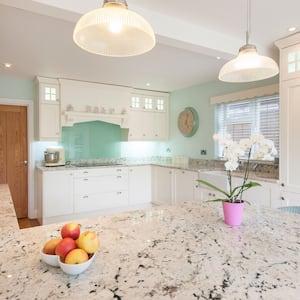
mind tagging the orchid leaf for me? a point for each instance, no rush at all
(213, 187)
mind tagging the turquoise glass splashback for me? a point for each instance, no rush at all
(91, 140)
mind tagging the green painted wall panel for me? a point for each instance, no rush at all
(91, 140)
(16, 88)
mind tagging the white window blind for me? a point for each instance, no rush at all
(243, 118)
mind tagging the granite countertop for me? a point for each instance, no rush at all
(180, 252)
(189, 167)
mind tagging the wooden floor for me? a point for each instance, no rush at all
(26, 223)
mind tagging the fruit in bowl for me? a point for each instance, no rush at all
(65, 246)
(48, 252)
(88, 241)
(73, 252)
(49, 247)
(76, 268)
(71, 230)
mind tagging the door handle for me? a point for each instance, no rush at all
(25, 162)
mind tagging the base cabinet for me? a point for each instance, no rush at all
(140, 191)
(162, 185)
(185, 185)
(55, 195)
(100, 189)
(172, 185)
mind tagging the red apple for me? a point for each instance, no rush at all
(49, 247)
(71, 230)
(65, 246)
(88, 241)
(76, 256)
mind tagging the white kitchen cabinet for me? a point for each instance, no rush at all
(171, 185)
(55, 195)
(289, 175)
(100, 189)
(289, 199)
(265, 195)
(148, 116)
(48, 109)
(258, 195)
(140, 191)
(162, 185)
(185, 185)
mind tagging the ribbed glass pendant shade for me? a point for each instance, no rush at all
(248, 66)
(115, 31)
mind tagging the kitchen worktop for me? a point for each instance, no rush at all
(218, 170)
(177, 252)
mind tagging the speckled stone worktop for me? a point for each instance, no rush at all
(177, 252)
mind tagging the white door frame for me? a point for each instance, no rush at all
(32, 212)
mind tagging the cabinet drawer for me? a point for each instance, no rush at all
(100, 172)
(93, 185)
(100, 201)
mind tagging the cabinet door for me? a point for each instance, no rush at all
(162, 179)
(258, 195)
(139, 185)
(290, 135)
(57, 194)
(49, 122)
(289, 199)
(185, 185)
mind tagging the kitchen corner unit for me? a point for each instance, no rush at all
(289, 112)
(48, 109)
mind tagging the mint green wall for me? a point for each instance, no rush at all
(16, 88)
(199, 97)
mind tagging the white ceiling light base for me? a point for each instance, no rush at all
(248, 66)
(115, 31)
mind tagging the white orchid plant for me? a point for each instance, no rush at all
(256, 147)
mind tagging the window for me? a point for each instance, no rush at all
(243, 118)
(148, 103)
(50, 94)
(160, 104)
(294, 62)
(135, 102)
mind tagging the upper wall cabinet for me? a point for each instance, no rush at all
(289, 113)
(87, 101)
(48, 109)
(289, 57)
(148, 116)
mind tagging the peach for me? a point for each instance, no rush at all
(76, 256)
(88, 241)
(49, 247)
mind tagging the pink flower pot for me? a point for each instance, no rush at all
(233, 213)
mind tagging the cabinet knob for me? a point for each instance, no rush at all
(282, 184)
(282, 198)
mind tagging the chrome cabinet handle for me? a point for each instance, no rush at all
(25, 162)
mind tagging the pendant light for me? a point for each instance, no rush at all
(248, 65)
(113, 30)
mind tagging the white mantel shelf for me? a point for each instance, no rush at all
(69, 118)
(182, 251)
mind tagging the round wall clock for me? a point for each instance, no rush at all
(188, 121)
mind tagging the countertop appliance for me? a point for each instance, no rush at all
(54, 156)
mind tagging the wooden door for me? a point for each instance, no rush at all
(13, 155)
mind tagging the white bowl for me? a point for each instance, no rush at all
(50, 259)
(74, 269)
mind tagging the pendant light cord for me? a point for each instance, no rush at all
(248, 21)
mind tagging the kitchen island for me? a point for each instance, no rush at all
(179, 252)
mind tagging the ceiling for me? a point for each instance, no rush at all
(36, 37)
